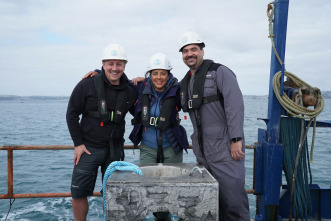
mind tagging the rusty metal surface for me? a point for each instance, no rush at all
(10, 193)
(48, 147)
(250, 191)
(39, 195)
(69, 147)
(41, 147)
(10, 171)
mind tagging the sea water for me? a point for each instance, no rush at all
(42, 122)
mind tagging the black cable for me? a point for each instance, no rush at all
(10, 204)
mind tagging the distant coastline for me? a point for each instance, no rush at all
(15, 97)
(325, 94)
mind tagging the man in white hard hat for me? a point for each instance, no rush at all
(161, 141)
(211, 95)
(103, 102)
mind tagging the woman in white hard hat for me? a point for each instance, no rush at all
(156, 126)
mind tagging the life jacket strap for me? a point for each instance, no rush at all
(160, 156)
(135, 120)
(190, 102)
(212, 98)
(105, 117)
(111, 150)
(153, 121)
(208, 99)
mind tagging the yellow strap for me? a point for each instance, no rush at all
(155, 122)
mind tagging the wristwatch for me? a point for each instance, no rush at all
(235, 140)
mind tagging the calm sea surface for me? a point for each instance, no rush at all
(42, 122)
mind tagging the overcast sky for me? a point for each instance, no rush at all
(46, 46)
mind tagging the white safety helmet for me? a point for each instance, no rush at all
(189, 38)
(159, 61)
(114, 52)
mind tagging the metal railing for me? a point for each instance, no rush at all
(10, 192)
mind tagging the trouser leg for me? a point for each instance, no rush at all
(171, 157)
(147, 154)
(233, 200)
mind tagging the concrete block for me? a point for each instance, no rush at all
(174, 188)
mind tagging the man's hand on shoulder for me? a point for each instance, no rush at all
(90, 74)
(136, 80)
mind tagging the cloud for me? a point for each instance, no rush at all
(47, 46)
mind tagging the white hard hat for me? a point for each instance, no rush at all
(159, 61)
(189, 38)
(114, 52)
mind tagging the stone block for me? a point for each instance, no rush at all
(185, 190)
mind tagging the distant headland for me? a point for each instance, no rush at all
(15, 97)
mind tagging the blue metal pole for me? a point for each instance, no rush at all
(270, 150)
(279, 30)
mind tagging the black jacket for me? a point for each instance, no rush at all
(88, 131)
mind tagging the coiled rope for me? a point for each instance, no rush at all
(288, 104)
(302, 112)
(297, 110)
(116, 165)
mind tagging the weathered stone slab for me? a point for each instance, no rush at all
(163, 187)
